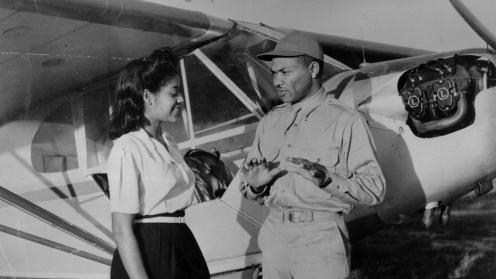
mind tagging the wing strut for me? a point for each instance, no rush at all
(54, 220)
(54, 245)
(476, 25)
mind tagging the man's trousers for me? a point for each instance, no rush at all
(301, 244)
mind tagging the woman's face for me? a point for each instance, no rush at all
(166, 103)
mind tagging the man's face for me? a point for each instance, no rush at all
(291, 78)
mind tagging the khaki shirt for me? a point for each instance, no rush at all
(323, 130)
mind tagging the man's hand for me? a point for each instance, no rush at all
(259, 173)
(314, 172)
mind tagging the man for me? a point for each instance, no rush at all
(312, 160)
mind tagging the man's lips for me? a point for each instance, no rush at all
(177, 108)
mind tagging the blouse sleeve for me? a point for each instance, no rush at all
(123, 177)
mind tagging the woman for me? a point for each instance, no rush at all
(150, 184)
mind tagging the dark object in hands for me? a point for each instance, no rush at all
(317, 170)
(212, 176)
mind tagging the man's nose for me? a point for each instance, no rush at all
(180, 99)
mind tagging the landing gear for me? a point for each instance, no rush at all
(257, 274)
(445, 214)
(430, 210)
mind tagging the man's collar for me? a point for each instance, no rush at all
(313, 101)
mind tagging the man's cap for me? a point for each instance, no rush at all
(293, 45)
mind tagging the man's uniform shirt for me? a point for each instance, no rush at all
(323, 130)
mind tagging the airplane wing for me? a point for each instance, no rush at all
(52, 47)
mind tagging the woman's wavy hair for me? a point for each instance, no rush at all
(150, 73)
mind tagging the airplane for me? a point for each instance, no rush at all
(430, 114)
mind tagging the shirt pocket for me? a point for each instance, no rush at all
(270, 147)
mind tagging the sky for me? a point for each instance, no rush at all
(425, 24)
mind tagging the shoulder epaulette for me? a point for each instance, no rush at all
(281, 106)
(333, 101)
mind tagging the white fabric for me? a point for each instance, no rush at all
(146, 178)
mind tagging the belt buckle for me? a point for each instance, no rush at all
(178, 219)
(298, 216)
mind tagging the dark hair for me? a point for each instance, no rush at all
(150, 73)
(307, 59)
(212, 177)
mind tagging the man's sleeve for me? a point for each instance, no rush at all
(254, 152)
(362, 181)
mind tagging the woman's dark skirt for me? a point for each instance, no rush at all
(169, 250)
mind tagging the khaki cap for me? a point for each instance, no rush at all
(293, 45)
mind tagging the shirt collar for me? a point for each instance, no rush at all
(309, 104)
(141, 133)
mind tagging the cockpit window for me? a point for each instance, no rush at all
(236, 57)
(213, 106)
(54, 145)
(227, 90)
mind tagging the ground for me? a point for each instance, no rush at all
(465, 249)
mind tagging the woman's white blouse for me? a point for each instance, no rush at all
(145, 178)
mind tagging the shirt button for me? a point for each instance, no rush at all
(296, 125)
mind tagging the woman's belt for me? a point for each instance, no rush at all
(166, 217)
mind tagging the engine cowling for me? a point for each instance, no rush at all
(438, 95)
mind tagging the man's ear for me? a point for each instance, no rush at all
(314, 69)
